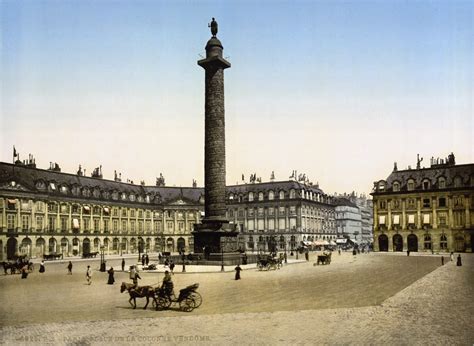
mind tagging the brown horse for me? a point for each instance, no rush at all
(138, 292)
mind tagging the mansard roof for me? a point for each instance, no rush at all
(28, 177)
(274, 186)
(432, 174)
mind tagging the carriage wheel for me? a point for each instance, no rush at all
(187, 304)
(162, 303)
(259, 266)
(197, 299)
(267, 267)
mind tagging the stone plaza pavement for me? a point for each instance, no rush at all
(435, 309)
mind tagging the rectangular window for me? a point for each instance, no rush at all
(271, 211)
(64, 224)
(241, 213)
(115, 225)
(281, 224)
(170, 226)
(11, 221)
(86, 224)
(75, 209)
(64, 209)
(124, 226)
(39, 223)
(157, 226)
(426, 202)
(25, 222)
(250, 225)
(132, 213)
(281, 211)
(124, 212)
(293, 210)
(140, 226)
(140, 214)
(148, 226)
(106, 226)
(250, 212)
(442, 202)
(39, 206)
(51, 208)
(96, 225)
(115, 212)
(442, 220)
(51, 224)
(181, 226)
(132, 226)
(271, 224)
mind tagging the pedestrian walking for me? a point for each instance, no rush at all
(143, 260)
(442, 260)
(147, 259)
(159, 257)
(306, 255)
(459, 263)
(172, 266)
(89, 275)
(408, 252)
(111, 276)
(123, 264)
(42, 268)
(69, 268)
(451, 256)
(237, 272)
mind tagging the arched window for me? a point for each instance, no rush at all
(410, 185)
(396, 186)
(441, 183)
(282, 194)
(260, 196)
(457, 181)
(292, 193)
(271, 195)
(381, 186)
(426, 184)
(250, 196)
(443, 242)
(231, 196)
(427, 242)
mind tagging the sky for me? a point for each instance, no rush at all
(338, 90)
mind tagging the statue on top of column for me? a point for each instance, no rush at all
(213, 26)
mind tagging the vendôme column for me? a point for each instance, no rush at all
(215, 226)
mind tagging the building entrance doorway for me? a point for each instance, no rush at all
(412, 242)
(383, 242)
(397, 243)
(459, 244)
(11, 248)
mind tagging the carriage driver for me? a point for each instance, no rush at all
(167, 285)
(134, 276)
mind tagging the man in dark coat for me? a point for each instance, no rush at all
(111, 276)
(237, 272)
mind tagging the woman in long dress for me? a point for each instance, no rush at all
(41, 270)
(111, 276)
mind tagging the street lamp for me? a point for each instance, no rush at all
(102, 259)
(222, 259)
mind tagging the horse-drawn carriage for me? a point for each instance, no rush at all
(325, 258)
(90, 254)
(52, 256)
(188, 298)
(163, 297)
(268, 262)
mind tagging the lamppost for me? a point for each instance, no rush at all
(222, 259)
(102, 259)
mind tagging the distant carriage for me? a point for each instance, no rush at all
(52, 256)
(325, 258)
(90, 254)
(268, 263)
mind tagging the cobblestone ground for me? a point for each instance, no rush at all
(371, 299)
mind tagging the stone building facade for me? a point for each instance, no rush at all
(425, 209)
(46, 211)
(278, 216)
(348, 220)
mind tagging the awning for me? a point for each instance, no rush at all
(341, 241)
(426, 218)
(332, 242)
(411, 219)
(396, 219)
(306, 243)
(75, 223)
(382, 219)
(87, 208)
(12, 201)
(354, 241)
(106, 210)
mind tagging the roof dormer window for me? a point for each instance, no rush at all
(396, 186)
(52, 186)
